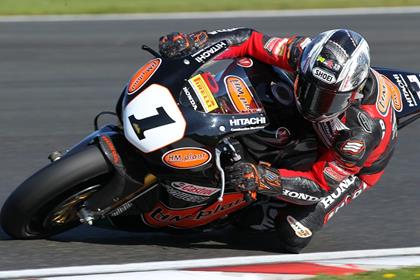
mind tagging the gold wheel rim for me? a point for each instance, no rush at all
(65, 211)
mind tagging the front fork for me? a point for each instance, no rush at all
(121, 189)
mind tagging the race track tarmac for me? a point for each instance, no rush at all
(55, 77)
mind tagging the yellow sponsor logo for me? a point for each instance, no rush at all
(204, 93)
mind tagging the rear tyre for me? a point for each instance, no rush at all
(47, 202)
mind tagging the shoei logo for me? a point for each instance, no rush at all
(143, 75)
(323, 75)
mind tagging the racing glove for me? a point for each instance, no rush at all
(247, 177)
(179, 44)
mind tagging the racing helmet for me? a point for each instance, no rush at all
(333, 68)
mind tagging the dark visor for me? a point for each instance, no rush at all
(318, 103)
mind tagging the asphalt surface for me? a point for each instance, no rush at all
(55, 77)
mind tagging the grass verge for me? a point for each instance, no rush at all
(411, 273)
(38, 7)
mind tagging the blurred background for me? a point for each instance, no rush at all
(56, 75)
(15, 7)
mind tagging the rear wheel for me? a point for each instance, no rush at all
(48, 201)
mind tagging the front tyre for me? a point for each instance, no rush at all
(47, 202)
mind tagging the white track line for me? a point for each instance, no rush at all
(217, 15)
(168, 265)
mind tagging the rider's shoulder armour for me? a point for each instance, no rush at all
(353, 146)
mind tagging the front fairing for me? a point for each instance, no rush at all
(176, 103)
(177, 112)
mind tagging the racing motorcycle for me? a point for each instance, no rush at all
(180, 123)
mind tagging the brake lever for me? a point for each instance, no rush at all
(222, 175)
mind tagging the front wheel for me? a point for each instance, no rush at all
(47, 202)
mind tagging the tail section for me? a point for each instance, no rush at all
(408, 103)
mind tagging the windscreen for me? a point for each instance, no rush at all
(221, 87)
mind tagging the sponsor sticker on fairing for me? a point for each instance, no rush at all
(248, 121)
(194, 189)
(185, 196)
(396, 100)
(203, 93)
(143, 75)
(409, 98)
(185, 158)
(190, 98)
(388, 95)
(203, 56)
(240, 95)
(415, 84)
(323, 75)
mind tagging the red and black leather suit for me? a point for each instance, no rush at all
(353, 151)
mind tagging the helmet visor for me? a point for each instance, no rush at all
(318, 103)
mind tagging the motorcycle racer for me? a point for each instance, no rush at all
(348, 104)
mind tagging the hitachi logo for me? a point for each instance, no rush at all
(249, 121)
(344, 185)
(202, 56)
(403, 87)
